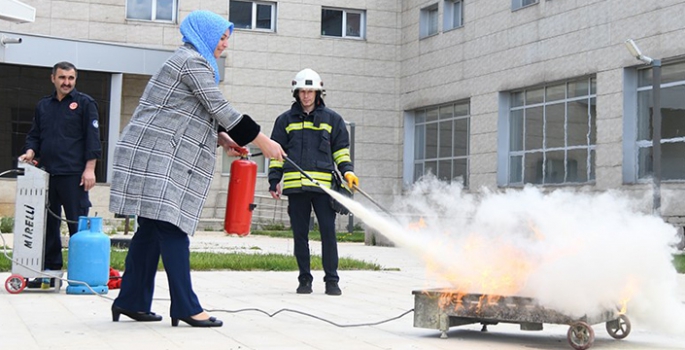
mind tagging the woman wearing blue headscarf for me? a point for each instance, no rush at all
(164, 162)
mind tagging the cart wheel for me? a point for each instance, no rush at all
(15, 284)
(580, 335)
(619, 328)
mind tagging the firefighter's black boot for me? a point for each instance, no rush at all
(333, 289)
(305, 287)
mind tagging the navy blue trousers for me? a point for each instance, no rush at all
(152, 239)
(300, 210)
(64, 192)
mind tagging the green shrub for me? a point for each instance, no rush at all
(276, 226)
(7, 224)
(122, 225)
(679, 262)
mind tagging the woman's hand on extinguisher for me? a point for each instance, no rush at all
(270, 148)
(231, 148)
(232, 152)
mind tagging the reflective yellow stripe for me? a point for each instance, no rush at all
(290, 176)
(342, 155)
(294, 179)
(308, 125)
(304, 182)
(319, 176)
(316, 175)
(274, 163)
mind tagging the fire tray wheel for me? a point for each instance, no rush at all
(15, 284)
(619, 328)
(580, 335)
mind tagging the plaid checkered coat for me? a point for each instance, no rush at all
(164, 160)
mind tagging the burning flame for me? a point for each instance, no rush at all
(627, 294)
(496, 269)
(503, 273)
(415, 226)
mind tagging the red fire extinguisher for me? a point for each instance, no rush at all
(239, 202)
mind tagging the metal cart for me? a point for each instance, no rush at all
(441, 309)
(30, 216)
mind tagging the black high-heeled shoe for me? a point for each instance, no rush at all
(210, 322)
(138, 316)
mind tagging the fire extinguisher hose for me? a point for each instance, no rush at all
(355, 186)
(372, 200)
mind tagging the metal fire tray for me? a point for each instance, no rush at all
(443, 308)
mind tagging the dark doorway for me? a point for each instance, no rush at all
(20, 89)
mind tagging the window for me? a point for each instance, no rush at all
(441, 142)
(152, 10)
(672, 123)
(454, 14)
(552, 134)
(517, 4)
(342, 23)
(428, 21)
(253, 15)
(262, 165)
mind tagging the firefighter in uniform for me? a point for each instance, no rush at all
(316, 139)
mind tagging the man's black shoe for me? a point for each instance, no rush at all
(37, 283)
(304, 287)
(333, 289)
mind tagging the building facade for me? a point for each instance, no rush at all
(497, 93)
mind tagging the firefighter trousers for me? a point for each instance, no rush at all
(299, 209)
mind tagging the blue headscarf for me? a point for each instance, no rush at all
(204, 29)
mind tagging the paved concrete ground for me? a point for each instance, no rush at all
(48, 320)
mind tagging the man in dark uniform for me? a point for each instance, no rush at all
(66, 140)
(316, 139)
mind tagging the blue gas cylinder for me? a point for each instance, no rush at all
(88, 258)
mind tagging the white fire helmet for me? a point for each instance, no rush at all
(307, 79)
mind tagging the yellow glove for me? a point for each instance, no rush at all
(352, 180)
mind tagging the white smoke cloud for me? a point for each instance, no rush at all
(577, 253)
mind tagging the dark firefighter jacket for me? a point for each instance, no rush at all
(318, 142)
(65, 134)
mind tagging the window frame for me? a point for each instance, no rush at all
(415, 125)
(225, 168)
(633, 171)
(449, 7)
(253, 15)
(520, 4)
(505, 153)
(427, 13)
(345, 12)
(153, 13)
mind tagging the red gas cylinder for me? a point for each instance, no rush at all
(239, 202)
